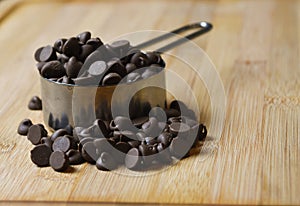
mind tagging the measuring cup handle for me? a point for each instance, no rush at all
(202, 27)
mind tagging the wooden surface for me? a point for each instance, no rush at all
(255, 47)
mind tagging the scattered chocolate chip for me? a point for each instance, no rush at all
(75, 157)
(47, 141)
(35, 134)
(35, 103)
(133, 159)
(24, 126)
(40, 155)
(58, 133)
(106, 162)
(89, 153)
(59, 161)
(63, 144)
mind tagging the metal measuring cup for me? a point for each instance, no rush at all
(66, 104)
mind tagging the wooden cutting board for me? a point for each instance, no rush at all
(255, 47)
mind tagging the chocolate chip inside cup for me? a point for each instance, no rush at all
(63, 62)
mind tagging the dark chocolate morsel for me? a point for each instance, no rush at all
(133, 159)
(47, 141)
(86, 50)
(37, 54)
(111, 79)
(35, 103)
(75, 157)
(53, 69)
(84, 36)
(72, 47)
(58, 133)
(47, 54)
(59, 161)
(24, 126)
(106, 162)
(97, 68)
(73, 67)
(35, 134)
(130, 67)
(40, 155)
(58, 45)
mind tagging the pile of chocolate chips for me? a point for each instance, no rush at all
(111, 144)
(83, 60)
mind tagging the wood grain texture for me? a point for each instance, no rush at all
(255, 47)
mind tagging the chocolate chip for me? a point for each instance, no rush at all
(24, 126)
(58, 133)
(69, 129)
(102, 129)
(111, 79)
(153, 57)
(35, 103)
(86, 50)
(150, 140)
(122, 123)
(164, 155)
(84, 36)
(179, 105)
(151, 128)
(63, 58)
(73, 67)
(179, 128)
(202, 132)
(40, 155)
(134, 143)
(165, 138)
(85, 140)
(139, 121)
(95, 42)
(130, 67)
(53, 69)
(148, 73)
(106, 162)
(63, 144)
(59, 161)
(37, 54)
(104, 145)
(47, 141)
(40, 65)
(123, 148)
(75, 157)
(97, 68)
(47, 54)
(189, 121)
(139, 59)
(133, 77)
(35, 134)
(133, 159)
(115, 66)
(172, 113)
(72, 47)
(147, 152)
(179, 147)
(89, 153)
(58, 45)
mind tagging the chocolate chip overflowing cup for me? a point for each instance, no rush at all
(79, 76)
